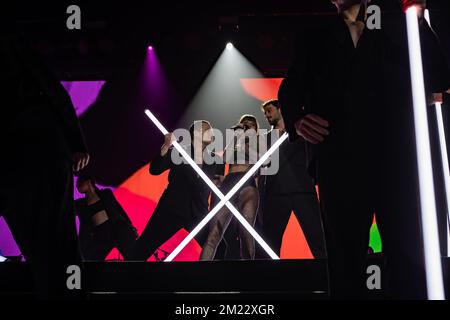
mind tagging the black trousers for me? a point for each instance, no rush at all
(276, 212)
(36, 200)
(349, 197)
(110, 234)
(163, 224)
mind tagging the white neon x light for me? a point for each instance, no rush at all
(224, 200)
(433, 266)
(444, 155)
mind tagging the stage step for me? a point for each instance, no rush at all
(180, 281)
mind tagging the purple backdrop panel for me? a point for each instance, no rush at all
(83, 93)
(8, 246)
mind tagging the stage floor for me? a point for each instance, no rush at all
(217, 280)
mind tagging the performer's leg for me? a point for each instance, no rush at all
(217, 228)
(347, 218)
(40, 211)
(223, 248)
(107, 236)
(248, 206)
(259, 222)
(277, 210)
(100, 243)
(232, 242)
(163, 224)
(124, 238)
(306, 209)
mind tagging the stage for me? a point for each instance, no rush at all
(284, 280)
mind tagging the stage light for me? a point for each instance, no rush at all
(444, 155)
(221, 98)
(150, 48)
(224, 200)
(433, 264)
(2, 259)
(229, 46)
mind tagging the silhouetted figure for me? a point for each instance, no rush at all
(41, 144)
(104, 224)
(349, 94)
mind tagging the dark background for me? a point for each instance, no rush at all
(188, 36)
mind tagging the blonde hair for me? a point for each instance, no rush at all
(251, 118)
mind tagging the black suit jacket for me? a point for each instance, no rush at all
(365, 94)
(187, 194)
(26, 83)
(292, 175)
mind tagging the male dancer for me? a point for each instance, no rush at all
(290, 189)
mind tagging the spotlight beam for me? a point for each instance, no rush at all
(433, 266)
(224, 200)
(444, 155)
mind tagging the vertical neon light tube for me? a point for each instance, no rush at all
(444, 155)
(433, 265)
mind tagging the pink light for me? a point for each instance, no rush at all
(150, 48)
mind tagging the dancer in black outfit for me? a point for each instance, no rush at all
(104, 224)
(184, 202)
(349, 93)
(41, 144)
(290, 189)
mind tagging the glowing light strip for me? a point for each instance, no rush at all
(444, 155)
(433, 266)
(224, 200)
(427, 16)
